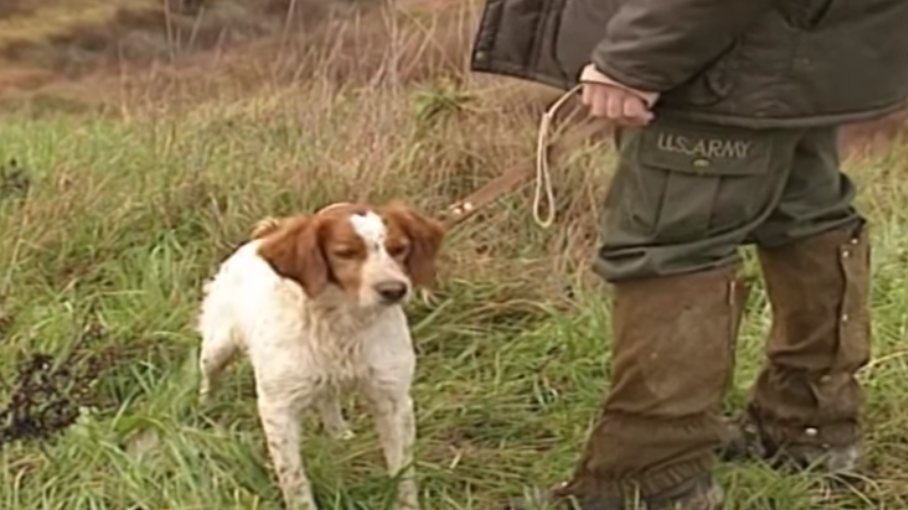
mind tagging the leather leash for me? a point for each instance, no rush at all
(516, 176)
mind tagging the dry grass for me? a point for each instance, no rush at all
(43, 41)
(121, 209)
(41, 22)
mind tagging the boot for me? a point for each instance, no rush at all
(698, 493)
(805, 408)
(673, 358)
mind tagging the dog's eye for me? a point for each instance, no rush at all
(345, 253)
(398, 250)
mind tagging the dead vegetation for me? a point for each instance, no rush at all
(53, 40)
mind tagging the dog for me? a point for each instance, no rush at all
(316, 304)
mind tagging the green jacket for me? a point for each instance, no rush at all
(751, 63)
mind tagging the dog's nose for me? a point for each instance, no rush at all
(392, 290)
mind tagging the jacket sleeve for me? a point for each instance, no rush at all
(655, 45)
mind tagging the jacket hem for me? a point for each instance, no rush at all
(806, 121)
(702, 114)
(510, 70)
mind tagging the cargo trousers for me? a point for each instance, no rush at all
(685, 196)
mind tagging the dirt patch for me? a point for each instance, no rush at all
(46, 394)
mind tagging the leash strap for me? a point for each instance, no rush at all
(515, 176)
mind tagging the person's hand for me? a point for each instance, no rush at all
(618, 103)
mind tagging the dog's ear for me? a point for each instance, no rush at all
(294, 251)
(426, 236)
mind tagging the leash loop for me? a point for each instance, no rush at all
(543, 172)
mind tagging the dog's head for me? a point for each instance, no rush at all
(375, 255)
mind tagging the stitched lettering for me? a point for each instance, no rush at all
(704, 148)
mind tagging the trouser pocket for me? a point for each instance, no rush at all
(680, 181)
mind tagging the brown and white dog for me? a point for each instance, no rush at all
(315, 301)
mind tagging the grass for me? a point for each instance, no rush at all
(123, 213)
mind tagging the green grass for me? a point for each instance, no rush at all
(104, 258)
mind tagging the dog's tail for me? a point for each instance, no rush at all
(265, 226)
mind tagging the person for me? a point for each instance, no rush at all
(726, 115)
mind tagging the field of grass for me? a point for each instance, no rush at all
(112, 219)
(42, 41)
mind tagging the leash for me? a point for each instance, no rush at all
(514, 177)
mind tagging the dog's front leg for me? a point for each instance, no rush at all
(332, 416)
(281, 423)
(396, 426)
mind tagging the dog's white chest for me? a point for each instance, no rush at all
(337, 367)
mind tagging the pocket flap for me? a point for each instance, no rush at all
(710, 150)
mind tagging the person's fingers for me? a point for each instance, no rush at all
(633, 108)
(598, 102)
(636, 112)
(614, 104)
(586, 94)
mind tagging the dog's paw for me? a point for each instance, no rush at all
(204, 395)
(344, 435)
(339, 430)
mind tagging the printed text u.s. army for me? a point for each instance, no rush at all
(703, 147)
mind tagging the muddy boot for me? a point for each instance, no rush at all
(805, 409)
(698, 493)
(559, 497)
(673, 357)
